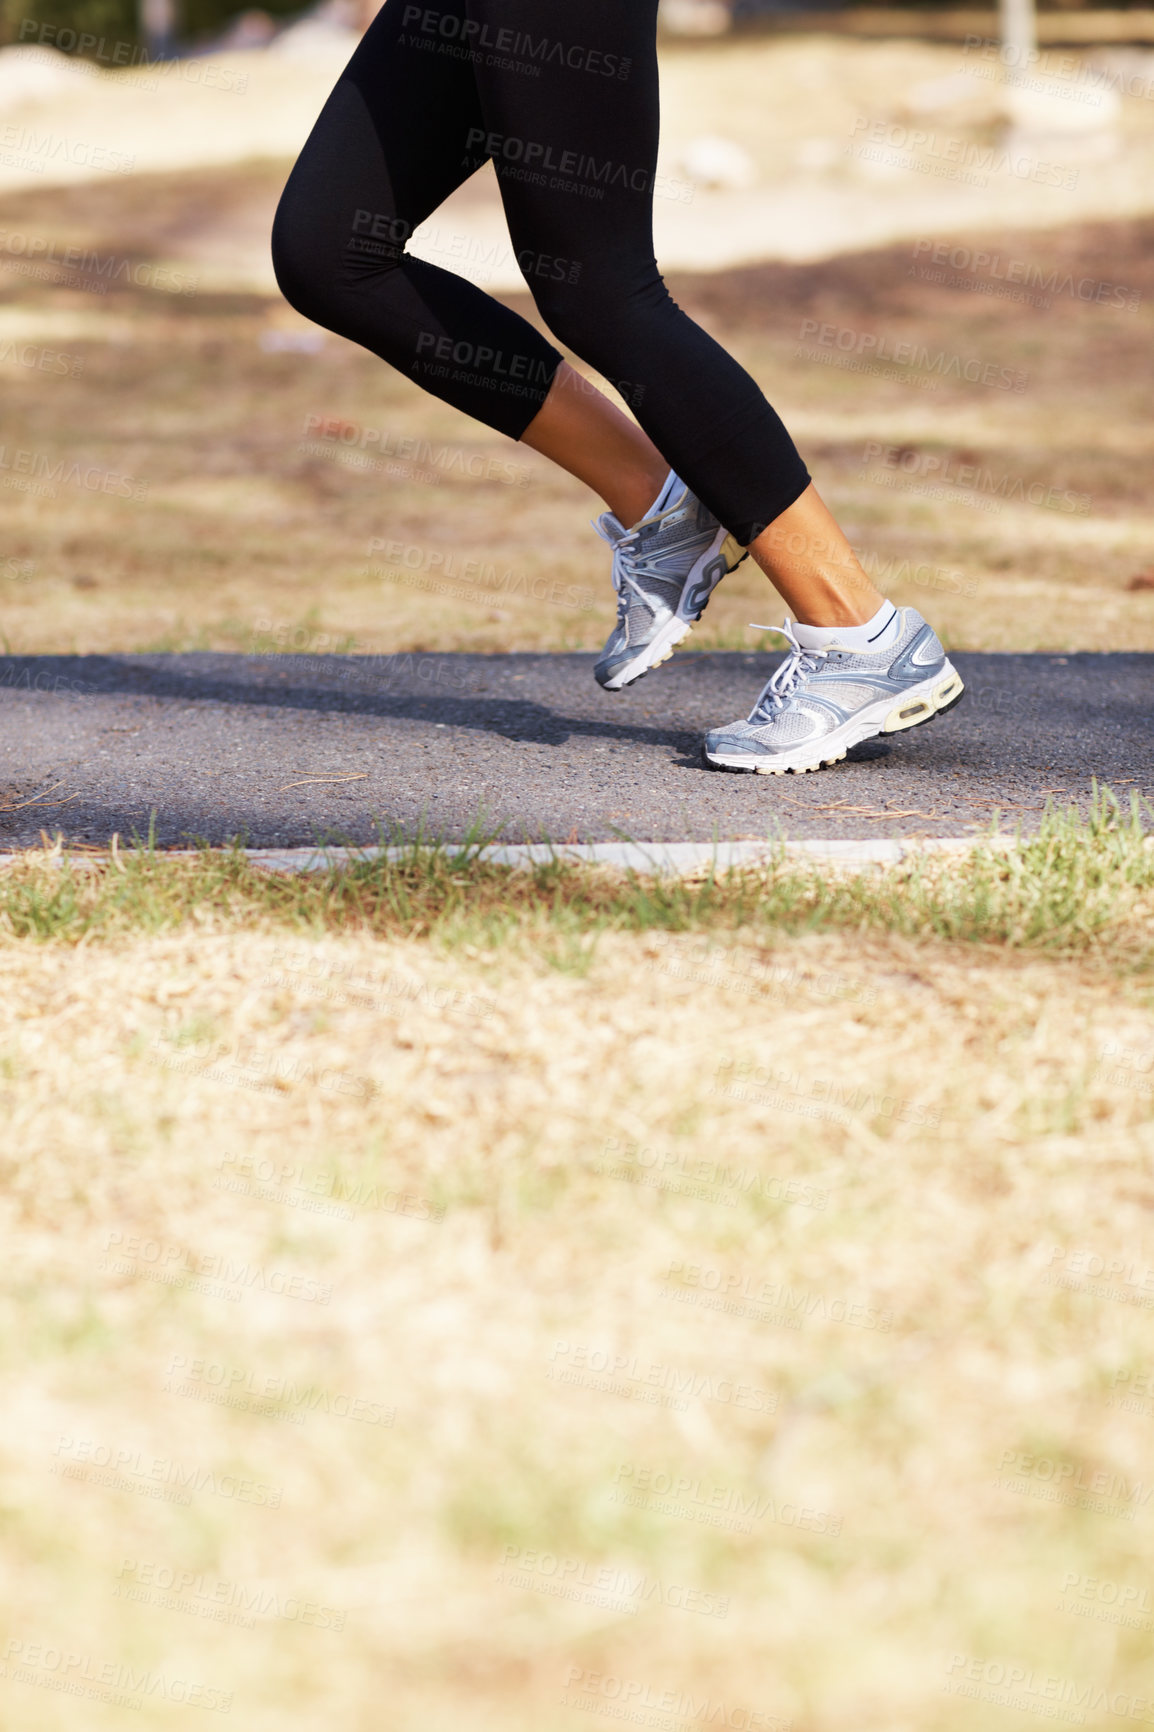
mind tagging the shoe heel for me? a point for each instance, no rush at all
(909, 714)
(949, 693)
(924, 705)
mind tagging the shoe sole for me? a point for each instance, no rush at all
(663, 642)
(920, 704)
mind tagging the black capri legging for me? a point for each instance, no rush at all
(563, 98)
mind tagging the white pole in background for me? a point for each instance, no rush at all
(1019, 32)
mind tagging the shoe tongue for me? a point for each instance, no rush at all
(610, 527)
(815, 637)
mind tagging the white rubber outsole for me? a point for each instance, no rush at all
(663, 643)
(920, 704)
(659, 649)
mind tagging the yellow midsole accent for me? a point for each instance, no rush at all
(916, 712)
(733, 553)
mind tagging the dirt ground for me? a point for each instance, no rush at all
(181, 473)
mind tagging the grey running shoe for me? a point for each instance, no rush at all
(664, 571)
(821, 702)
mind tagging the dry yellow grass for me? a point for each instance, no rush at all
(695, 1328)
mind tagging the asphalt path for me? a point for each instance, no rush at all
(285, 751)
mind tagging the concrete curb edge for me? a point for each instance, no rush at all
(679, 859)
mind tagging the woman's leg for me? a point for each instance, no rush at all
(390, 145)
(578, 428)
(572, 132)
(803, 552)
(570, 122)
(399, 133)
(806, 557)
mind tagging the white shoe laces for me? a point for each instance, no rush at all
(797, 665)
(625, 566)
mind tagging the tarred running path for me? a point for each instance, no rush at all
(287, 750)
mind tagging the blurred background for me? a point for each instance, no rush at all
(927, 231)
(163, 28)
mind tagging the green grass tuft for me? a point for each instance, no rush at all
(1073, 884)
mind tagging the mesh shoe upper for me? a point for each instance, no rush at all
(647, 590)
(651, 565)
